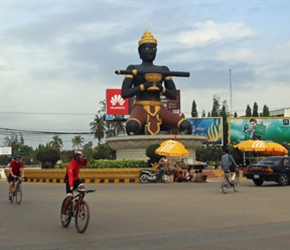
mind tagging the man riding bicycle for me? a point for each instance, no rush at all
(229, 164)
(16, 169)
(72, 180)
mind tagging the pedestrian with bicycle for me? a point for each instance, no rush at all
(72, 181)
(16, 170)
(229, 164)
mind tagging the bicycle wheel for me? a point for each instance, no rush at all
(225, 186)
(18, 193)
(82, 217)
(237, 184)
(68, 214)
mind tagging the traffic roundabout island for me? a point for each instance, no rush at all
(134, 146)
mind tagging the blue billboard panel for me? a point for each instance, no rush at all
(210, 127)
(276, 129)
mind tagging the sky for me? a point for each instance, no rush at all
(57, 58)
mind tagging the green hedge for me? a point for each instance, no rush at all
(112, 164)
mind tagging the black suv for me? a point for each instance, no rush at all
(273, 168)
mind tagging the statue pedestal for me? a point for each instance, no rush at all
(134, 146)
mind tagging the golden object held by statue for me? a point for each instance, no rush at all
(153, 77)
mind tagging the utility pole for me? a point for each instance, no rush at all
(231, 99)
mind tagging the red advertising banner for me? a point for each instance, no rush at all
(115, 103)
(172, 105)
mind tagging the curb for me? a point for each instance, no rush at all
(92, 180)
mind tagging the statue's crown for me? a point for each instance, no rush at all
(147, 38)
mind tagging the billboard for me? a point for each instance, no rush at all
(5, 150)
(115, 104)
(172, 105)
(276, 129)
(210, 127)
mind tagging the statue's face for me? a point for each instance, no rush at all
(147, 51)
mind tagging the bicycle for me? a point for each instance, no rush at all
(16, 190)
(79, 209)
(226, 184)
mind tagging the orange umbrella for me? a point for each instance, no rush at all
(274, 148)
(172, 148)
(252, 145)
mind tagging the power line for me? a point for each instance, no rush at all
(42, 113)
(9, 131)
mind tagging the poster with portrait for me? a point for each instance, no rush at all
(276, 129)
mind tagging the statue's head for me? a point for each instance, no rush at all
(147, 47)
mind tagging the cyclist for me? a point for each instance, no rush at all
(229, 164)
(16, 169)
(72, 180)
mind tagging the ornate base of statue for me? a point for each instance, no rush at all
(134, 146)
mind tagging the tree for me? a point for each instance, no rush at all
(48, 155)
(203, 113)
(104, 152)
(110, 129)
(255, 110)
(266, 111)
(77, 141)
(150, 152)
(56, 142)
(98, 127)
(248, 111)
(215, 107)
(194, 112)
(14, 142)
(88, 145)
(224, 114)
(119, 125)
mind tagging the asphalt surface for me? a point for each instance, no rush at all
(150, 216)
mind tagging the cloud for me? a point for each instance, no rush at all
(208, 32)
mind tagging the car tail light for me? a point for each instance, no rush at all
(267, 170)
(259, 169)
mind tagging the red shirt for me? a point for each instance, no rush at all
(73, 169)
(16, 167)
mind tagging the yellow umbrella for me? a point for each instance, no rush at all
(252, 145)
(274, 148)
(172, 148)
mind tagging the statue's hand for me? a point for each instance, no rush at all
(148, 85)
(159, 85)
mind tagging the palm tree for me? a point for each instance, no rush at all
(56, 142)
(98, 128)
(77, 141)
(110, 130)
(119, 126)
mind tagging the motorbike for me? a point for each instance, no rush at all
(149, 175)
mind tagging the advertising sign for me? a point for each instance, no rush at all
(5, 151)
(172, 105)
(276, 129)
(210, 127)
(115, 104)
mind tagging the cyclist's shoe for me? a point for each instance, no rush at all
(63, 218)
(10, 198)
(232, 182)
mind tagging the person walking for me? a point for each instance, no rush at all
(229, 164)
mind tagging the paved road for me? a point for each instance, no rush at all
(152, 216)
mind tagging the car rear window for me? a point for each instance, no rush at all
(274, 161)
